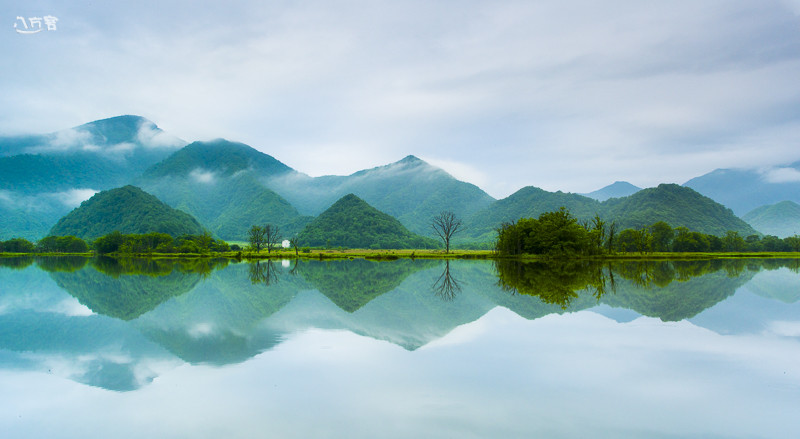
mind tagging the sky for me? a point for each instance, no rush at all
(567, 95)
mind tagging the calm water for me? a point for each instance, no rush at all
(361, 349)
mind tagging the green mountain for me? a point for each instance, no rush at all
(743, 190)
(43, 177)
(615, 190)
(351, 222)
(528, 202)
(218, 182)
(410, 190)
(676, 205)
(128, 210)
(781, 219)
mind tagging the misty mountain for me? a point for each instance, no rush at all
(410, 190)
(352, 222)
(43, 177)
(220, 183)
(780, 219)
(615, 190)
(128, 210)
(743, 190)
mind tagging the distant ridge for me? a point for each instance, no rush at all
(780, 219)
(615, 190)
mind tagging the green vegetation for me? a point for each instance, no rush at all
(127, 210)
(559, 234)
(16, 245)
(61, 244)
(160, 243)
(673, 204)
(351, 222)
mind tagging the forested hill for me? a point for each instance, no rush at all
(676, 205)
(128, 210)
(218, 157)
(352, 223)
(220, 184)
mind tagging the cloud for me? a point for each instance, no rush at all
(151, 136)
(530, 93)
(73, 197)
(202, 176)
(781, 175)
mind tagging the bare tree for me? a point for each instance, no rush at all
(256, 237)
(446, 286)
(446, 224)
(293, 243)
(272, 236)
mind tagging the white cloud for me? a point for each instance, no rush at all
(202, 176)
(73, 197)
(781, 175)
(150, 136)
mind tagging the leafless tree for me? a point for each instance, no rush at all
(263, 272)
(446, 287)
(446, 224)
(272, 237)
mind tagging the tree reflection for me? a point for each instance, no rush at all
(263, 272)
(446, 286)
(554, 282)
(16, 262)
(67, 264)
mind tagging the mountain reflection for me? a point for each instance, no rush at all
(208, 311)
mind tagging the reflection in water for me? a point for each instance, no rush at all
(446, 286)
(205, 311)
(555, 282)
(263, 272)
(16, 262)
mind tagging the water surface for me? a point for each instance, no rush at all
(407, 348)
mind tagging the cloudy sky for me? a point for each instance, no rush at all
(564, 95)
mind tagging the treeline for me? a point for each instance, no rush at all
(117, 242)
(559, 233)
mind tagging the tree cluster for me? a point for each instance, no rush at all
(661, 237)
(558, 233)
(555, 233)
(117, 242)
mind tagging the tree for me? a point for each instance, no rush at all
(662, 234)
(293, 242)
(272, 236)
(446, 224)
(256, 237)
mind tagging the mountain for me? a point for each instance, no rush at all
(615, 190)
(528, 202)
(780, 219)
(43, 177)
(410, 190)
(220, 183)
(128, 210)
(351, 222)
(677, 206)
(743, 190)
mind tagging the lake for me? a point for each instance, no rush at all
(204, 348)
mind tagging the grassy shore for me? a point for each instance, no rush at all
(424, 254)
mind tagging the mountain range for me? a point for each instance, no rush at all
(229, 186)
